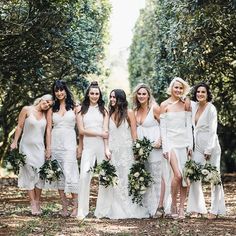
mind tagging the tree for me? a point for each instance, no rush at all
(46, 40)
(194, 40)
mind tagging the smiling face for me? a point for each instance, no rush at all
(177, 89)
(60, 94)
(201, 94)
(45, 104)
(112, 99)
(142, 96)
(94, 95)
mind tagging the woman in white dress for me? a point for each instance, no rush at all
(207, 148)
(32, 121)
(93, 125)
(147, 114)
(122, 131)
(176, 132)
(61, 144)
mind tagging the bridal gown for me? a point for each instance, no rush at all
(32, 145)
(150, 129)
(118, 204)
(176, 132)
(206, 142)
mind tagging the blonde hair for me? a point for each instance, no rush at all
(136, 103)
(180, 80)
(43, 98)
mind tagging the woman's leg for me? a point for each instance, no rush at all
(75, 205)
(64, 203)
(34, 208)
(38, 192)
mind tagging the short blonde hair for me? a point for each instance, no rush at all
(43, 98)
(136, 104)
(180, 80)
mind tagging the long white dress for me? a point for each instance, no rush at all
(63, 147)
(118, 203)
(93, 149)
(206, 142)
(32, 145)
(176, 132)
(150, 129)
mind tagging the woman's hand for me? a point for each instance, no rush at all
(166, 155)
(189, 152)
(105, 134)
(48, 154)
(13, 146)
(108, 154)
(157, 144)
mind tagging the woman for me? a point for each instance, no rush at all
(61, 144)
(147, 114)
(93, 125)
(207, 148)
(122, 131)
(176, 132)
(32, 121)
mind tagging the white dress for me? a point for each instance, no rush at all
(93, 149)
(150, 129)
(32, 145)
(63, 145)
(206, 142)
(118, 203)
(176, 132)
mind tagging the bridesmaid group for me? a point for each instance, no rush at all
(91, 132)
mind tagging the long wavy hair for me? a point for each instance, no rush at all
(136, 103)
(120, 109)
(86, 102)
(61, 85)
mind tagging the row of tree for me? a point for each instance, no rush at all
(195, 40)
(44, 40)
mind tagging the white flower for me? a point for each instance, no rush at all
(142, 192)
(205, 172)
(143, 188)
(9, 166)
(136, 174)
(140, 152)
(137, 145)
(136, 186)
(141, 179)
(102, 172)
(190, 171)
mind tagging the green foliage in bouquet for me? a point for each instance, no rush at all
(106, 173)
(50, 171)
(139, 181)
(142, 149)
(14, 161)
(210, 174)
(192, 171)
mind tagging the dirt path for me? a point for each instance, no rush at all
(15, 218)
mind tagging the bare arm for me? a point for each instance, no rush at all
(133, 126)
(48, 133)
(20, 126)
(156, 112)
(105, 130)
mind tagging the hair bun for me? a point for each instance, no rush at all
(94, 83)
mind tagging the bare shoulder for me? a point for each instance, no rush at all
(130, 112)
(187, 103)
(163, 106)
(77, 109)
(156, 107)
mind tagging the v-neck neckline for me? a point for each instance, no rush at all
(200, 116)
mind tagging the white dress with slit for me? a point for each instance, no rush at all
(32, 145)
(176, 132)
(150, 129)
(206, 142)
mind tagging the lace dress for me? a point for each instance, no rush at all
(150, 129)
(32, 145)
(118, 202)
(64, 151)
(206, 142)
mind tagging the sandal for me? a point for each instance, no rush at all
(74, 212)
(160, 212)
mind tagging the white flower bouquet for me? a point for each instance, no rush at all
(14, 161)
(142, 149)
(139, 180)
(192, 171)
(210, 174)
(50, 171)
(106, 173)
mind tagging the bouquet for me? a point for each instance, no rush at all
(14, 161)
(192, 171)
(50, 171)
(106, 173)
(142, 149)
(139, 180)
(210, 174)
